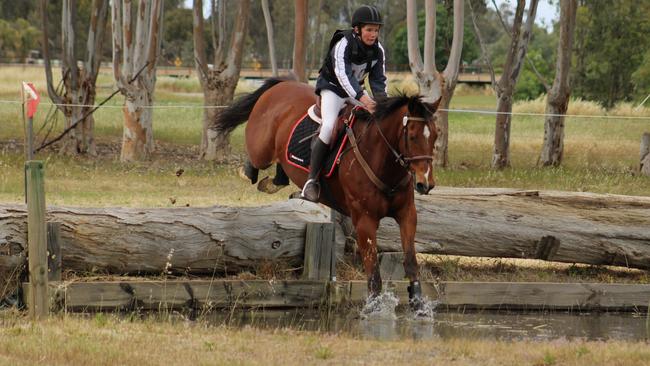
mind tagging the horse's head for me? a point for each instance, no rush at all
(416, 137)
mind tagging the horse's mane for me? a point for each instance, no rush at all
(386, 106)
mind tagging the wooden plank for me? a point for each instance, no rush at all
(359, 290)
(534, 295)
(37, 240)
(319, 251)
(158, 295)
(54, 251)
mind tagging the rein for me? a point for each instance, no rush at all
(399, 158)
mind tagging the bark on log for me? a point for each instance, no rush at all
(645, 154)
(558, 226)
(194, 240)
(570, 227)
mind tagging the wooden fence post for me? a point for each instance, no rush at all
(37, 300)
(54, 251)
(645, 154)
(319, 251)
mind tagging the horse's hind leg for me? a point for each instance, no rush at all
(249, 172)
(278, 182)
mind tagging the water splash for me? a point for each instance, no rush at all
(427, 311)
(380, 307)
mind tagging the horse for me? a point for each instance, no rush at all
(392, 155)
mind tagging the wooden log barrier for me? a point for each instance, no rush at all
(204, 240)
(556, 226)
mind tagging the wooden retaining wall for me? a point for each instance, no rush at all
(219, 294)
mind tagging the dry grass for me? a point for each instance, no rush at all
(105, 340)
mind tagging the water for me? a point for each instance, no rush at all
(383, 324)
(481, 325)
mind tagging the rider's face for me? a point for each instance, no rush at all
(369, 34)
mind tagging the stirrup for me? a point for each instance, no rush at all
(304, 188)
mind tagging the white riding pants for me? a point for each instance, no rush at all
(330, 105)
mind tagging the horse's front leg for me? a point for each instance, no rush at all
(367, 243)
(407, 219)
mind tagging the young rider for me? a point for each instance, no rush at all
(353, 55)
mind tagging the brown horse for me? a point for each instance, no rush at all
(395, 143)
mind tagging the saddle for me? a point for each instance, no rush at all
(298, 152)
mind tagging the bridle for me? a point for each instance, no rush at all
(404, 161)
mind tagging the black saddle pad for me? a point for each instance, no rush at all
(299, 146)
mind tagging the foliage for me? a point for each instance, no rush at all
(17, 37)
(444, 37)
(641, 78)
(609, 35)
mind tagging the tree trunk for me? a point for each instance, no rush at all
(432, 83)
(79, 85)
(558, 97)
(269, 36)
(219, 82)
(555, 226)
(299, 46)
(220, 91)
(137, 136)
(645, 154)
(134, 68)
(508, 81)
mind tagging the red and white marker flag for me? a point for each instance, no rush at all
(32, 98)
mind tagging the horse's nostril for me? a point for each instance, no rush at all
(420, 187)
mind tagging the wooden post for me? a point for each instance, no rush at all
(645, 154)
(37, 237)
(319, 251)
(54, 251)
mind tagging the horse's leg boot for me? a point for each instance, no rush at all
(311, 190)
(248, 172)
(415, 296)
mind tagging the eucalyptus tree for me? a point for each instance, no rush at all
(432, 83)
(520, 34)
(135, 55)
(218, 80)
(558, 95)
(79, 84)
(299, 36)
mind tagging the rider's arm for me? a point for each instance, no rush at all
(343, 69)
(377, 76)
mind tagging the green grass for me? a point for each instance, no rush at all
(601, 155)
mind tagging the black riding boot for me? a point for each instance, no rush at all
(311, 190)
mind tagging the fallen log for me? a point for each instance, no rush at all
(556, 226)
(572, 227)
(205, 240)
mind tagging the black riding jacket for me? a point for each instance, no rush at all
(348, 62)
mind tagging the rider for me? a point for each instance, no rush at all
(353, 54)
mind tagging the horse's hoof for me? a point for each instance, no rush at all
(416, 304)
(266, 185)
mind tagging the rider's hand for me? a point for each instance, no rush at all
(369, 103)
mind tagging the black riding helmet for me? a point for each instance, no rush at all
(366, 14)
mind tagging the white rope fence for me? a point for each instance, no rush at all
(474, 111)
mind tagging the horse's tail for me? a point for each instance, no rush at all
(239, 111)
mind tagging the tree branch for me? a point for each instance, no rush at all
(415, 59)
(484, 51)
(56, 98)
(451, 70)
(429, 37)
(200, 55)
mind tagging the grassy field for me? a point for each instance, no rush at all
(601, 155)
(105, 340)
